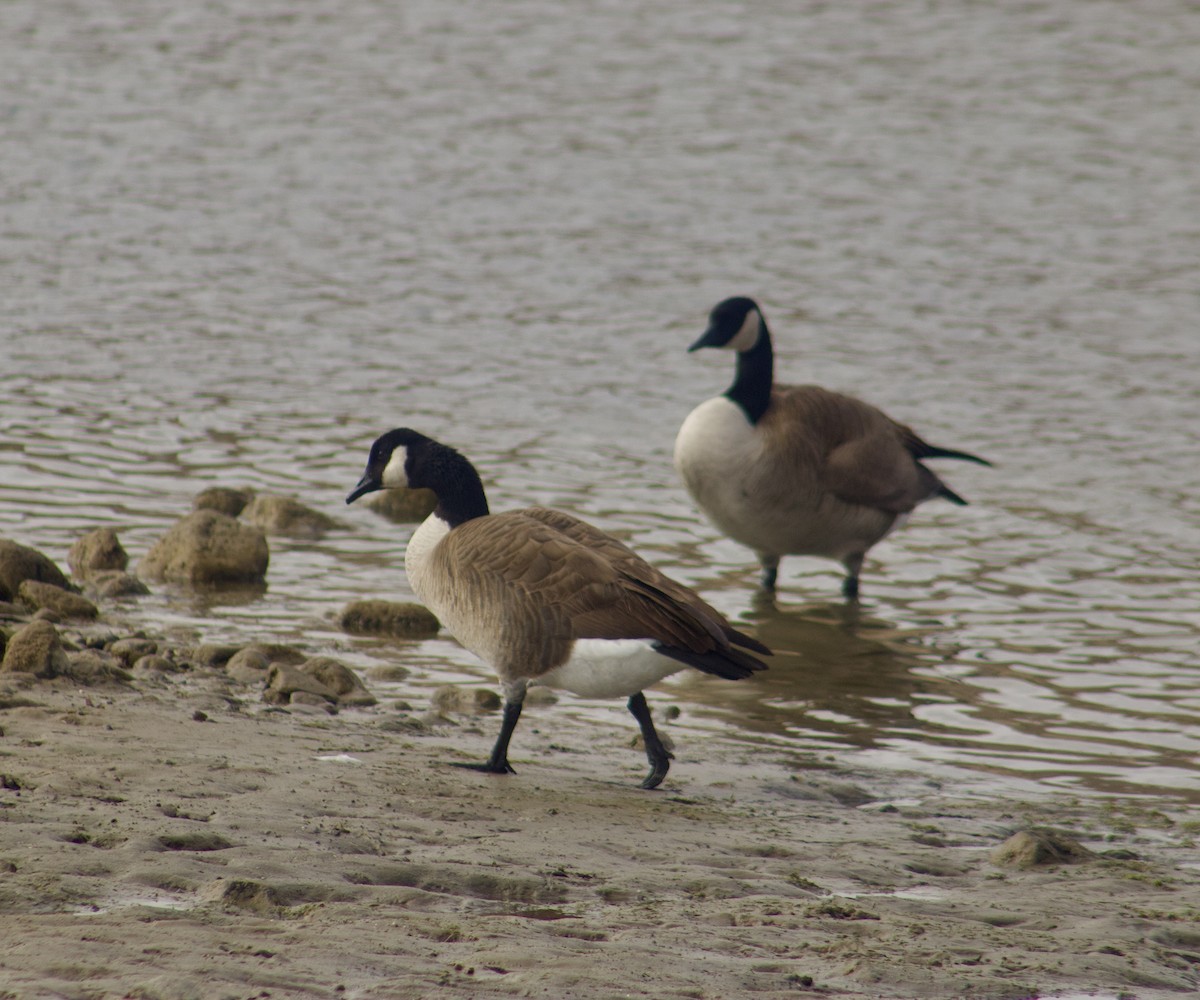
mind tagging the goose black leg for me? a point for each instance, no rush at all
(850, 585)
(498, 763)
(658, 755)
(770, 571)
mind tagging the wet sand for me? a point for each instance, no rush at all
(176, 837)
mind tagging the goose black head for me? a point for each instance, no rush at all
(394, 461)
(733, 324)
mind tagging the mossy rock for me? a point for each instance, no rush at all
(393, 618)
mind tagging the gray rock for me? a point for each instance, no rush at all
(248, 656)
(209, 549)
(98, 550)
(250, 676)
(249, 666)
(19, 563)
(284, 516)
(390, 673)
(278, 652)
(284, 680)
(394, 618)
(403, 506)
(129, 651)
(213, 654)
(113, 584)
(35, 649)
(64, 603)
(152, 663)
(1039, 846)
(312, 703)
(223, 499)
(340, 679)
(242, 894)
(94, 666)
(465, 700)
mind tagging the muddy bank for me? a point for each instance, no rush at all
(177, 833)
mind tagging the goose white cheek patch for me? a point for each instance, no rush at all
(747, 336)
(393, 473)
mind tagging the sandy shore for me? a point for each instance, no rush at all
(177, 837)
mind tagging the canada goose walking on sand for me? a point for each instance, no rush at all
(797, 469)
(546, 598)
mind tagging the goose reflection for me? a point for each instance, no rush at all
(837, 671)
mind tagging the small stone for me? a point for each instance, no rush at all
(286, 680)
(35, 649)
(19, 563)
(98, 550)
(249, 666)
(213, 655)
(112, 584)
(391, 618)
(94, 666)
(307, 700)
(279, 652)
(155, 664)
(390, 673)
(340, 679)
(450, 698)
(223, 499)
(208, 549)
(285, 516)
(242, 894)
(249, 657)
(128, 651)
(1039, 846)
(248, 675)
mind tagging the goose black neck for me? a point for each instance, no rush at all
(459, 490)
(751, 388)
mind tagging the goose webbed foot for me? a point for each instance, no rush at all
(658, 771)
(487, 767)
(658, 755)
(498, 763)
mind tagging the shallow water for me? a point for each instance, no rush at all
(241, 239)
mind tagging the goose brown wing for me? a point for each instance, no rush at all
(541, 581)
(656, 584)
(853, 450)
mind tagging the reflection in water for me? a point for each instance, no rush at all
(845, 674)
(236, 258)
(836, 671)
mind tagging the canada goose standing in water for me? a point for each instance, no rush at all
(797, 469)
(546, 598)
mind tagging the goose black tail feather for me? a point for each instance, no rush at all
(732, 664)
(747, 641)
(949, 494)
(922, 449)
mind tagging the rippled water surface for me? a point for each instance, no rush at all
(240, 239)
